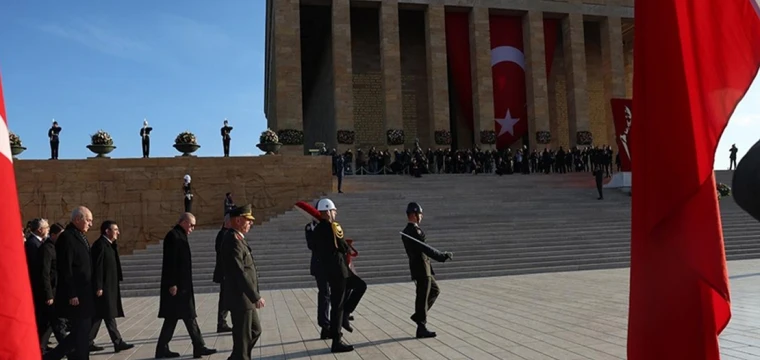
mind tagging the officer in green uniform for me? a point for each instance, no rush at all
(241, 285)
(419, 254)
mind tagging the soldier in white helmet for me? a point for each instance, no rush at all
(330, 248)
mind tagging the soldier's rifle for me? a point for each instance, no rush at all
(451, 256)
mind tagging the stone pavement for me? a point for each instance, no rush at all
(572, 315)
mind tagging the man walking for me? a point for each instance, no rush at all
(241, 284)
(106, 275)
(177, 299)
(48, 321)
(218, 277)
(323, 287)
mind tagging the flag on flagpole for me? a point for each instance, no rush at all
(693, 63)
(18, 330)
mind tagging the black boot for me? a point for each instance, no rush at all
(423, 332)
(339, 347)
(120, 346)
(202, 351)
(325, 333)
(165, 353)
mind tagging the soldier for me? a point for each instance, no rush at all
(54, 140)
(221, 322)
(331, 249)
(323, 287)
(599, 178)
(241, 284)
(226, 130)
(419, 255)
(145, 135)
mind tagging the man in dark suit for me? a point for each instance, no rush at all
(419, 265)
(323, 287)
(177, 300)
(106, 275)
(38, 232)
(221, 319)
(599, 178)
(331, 249)
(74, 297)
(241, 284)
(48, 322)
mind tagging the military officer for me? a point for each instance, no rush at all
(226, 130)
(419, 254)
(241, 285)
(331, 248)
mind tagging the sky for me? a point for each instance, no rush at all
(108, 65)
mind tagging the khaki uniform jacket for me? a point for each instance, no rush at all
(241, 281)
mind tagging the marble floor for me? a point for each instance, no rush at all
(573, 315)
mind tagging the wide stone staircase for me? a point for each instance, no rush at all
(514, 224)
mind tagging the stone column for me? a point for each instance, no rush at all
(579, 125)
(613, 64)
(482, 77)
(539, 130)
(343, 71)
(390, 62)
(437, 68)
(287, 62)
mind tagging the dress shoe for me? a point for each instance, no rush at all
(339, 347)
(351, 317)
(122, 346)
(166, 354)
(325, 333)
(423, 332)
(94, 347)
(224, 328)
(201, 352)
(347, 325)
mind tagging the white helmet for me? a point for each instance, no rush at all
(325, 205)
(187, 178)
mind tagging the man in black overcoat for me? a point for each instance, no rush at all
(177, 301)
(48, 322)
(74, 296)
(221, 319)
(323, 287)
(106, 275)
(38, 233)
(746, 182)
(241, 284)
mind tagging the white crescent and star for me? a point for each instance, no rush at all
(512, 54)
(5, 144)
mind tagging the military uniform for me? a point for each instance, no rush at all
(218, 277)
(226, 130)
(422, 272)
(241, 289)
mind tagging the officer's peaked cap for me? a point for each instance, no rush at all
(413, 208)
(745, 187)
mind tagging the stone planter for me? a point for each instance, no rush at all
(187, 149)
(269, 148)
(17, 150)
(101, 150)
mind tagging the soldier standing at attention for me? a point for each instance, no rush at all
(226, 130)
(54, 141)
(419, 264)
(241, 284)
(145, 135)
(218, 277)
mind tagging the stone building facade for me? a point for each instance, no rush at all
(345, 72)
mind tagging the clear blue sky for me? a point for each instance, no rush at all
(184, 65)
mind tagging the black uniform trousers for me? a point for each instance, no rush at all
(323, 301)
(54, 149)
(427, 293)
(77, 344)
(246, 327)
(146, 147)
(226, 146)
(188, 205)
(344, 305)
(221, 317)
(167, 332)
(49, 323)
(113, 331)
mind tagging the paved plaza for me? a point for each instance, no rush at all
(572, 315)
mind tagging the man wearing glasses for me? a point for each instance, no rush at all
(177, 300)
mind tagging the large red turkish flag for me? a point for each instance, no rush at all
(508, 71)
(693, 62)
(18, 330)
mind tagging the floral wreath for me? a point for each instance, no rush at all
(14, 140)
(186, 137)
(268, 137)
(101, 138)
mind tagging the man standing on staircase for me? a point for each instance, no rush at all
(419, 255)
(218, 277)
(331, 249)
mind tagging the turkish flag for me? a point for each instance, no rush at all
(693, 63)
(18, 329)
(508, 70)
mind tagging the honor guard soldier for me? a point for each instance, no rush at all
(241, 284)
(331, 249)
(226, 130)
(54, 140)
(419, 254)
(145, 135)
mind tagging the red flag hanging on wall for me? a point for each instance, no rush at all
(458, 51)
(508, 71)
(622, 115)
(693, 62)
(18, 329)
